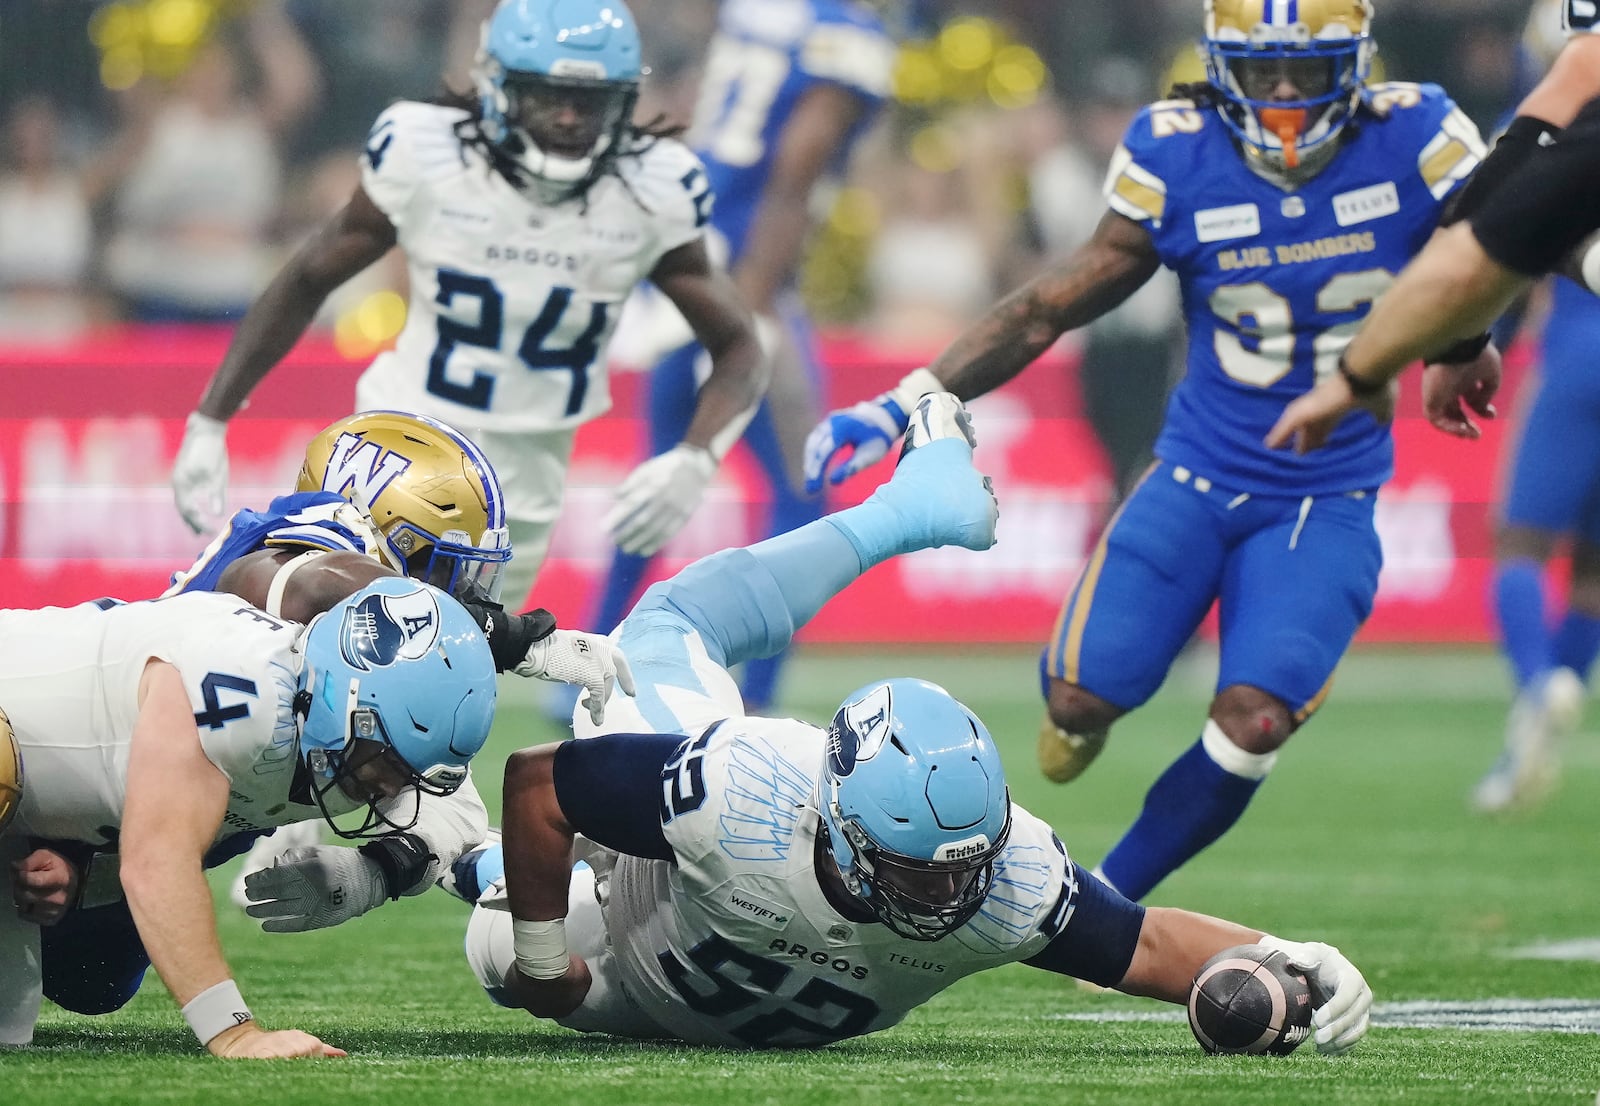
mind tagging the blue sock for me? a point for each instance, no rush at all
(1193, 803)
(1519, 609)
(1577, 642)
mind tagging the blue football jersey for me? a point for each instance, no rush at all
(300, 520)
(763, 58)
(1276, 283)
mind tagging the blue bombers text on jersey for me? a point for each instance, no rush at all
(764, 57)
(1275, 283)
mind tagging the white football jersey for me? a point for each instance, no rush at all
(512, 300)
(69, 680)
(735, 944)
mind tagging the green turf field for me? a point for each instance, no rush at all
(1361, 838)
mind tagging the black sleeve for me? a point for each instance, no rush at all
(1099, 931)
(1549, 205)
(609, 789)
(1523, 137)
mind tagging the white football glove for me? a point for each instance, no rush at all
(1343, 999)
(591, 661)
(313, 888)
(200, 474)
(658, 497)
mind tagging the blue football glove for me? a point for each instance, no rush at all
(867, 430)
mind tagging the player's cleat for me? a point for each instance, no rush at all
(10, 773)
(1063, 756)
(474, 870)
(267, 849)
(1530, 764)
(939, 496)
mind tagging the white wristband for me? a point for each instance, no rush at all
(541, 948)
(217, 1008)
(913, 386)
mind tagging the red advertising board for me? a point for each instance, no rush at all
(88, 434)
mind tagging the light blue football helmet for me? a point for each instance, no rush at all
(400, 664)
(557, 81)
(914, 805)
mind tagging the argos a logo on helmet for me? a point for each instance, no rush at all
(859, 730)
(384, 629)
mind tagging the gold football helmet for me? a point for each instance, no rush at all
(1290, 73)
(430, 491)
(10, 773)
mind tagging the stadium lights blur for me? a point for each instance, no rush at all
(971, 59)
(372, 324)
(157, 38)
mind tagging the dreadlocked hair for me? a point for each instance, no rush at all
(636, 139)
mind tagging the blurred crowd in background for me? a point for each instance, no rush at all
(160, 156)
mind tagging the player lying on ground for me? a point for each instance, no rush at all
(152, 733)
(758, 881)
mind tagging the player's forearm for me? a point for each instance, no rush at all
(1572, 81)
(269, 330)
(1451, 290)
(1021, 327)
(728, 399)
(172, 908)
(1173, 944)
(536, 841)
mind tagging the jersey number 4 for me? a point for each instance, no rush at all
(486, 333)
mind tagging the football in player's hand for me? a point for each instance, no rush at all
(1248, 999)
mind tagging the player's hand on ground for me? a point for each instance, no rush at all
(200, 474)
(657, 498)
(551, 998)
(313, 888)
(44, 884)
(250, 1042)
(1308, 422)
(1452, 394)
(591, 661)
(854, 437)
(1343, 998)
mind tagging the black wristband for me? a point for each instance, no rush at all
(404, 858)
(1461, 352)
(1360, 387)
(510, 636)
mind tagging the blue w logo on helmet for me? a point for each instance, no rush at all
(382, 630)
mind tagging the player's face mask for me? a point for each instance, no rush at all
(1290, 74)
(568, 119)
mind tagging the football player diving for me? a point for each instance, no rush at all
(755, 882)
(380, 494)
(1285, 192)
(156, 734)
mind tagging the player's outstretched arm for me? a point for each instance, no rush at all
(1173, 944)
(162, 844)
(537, 841)
(350, 241)
(1116, 261)
(657, 498)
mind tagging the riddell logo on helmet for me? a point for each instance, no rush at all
(963, 850)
